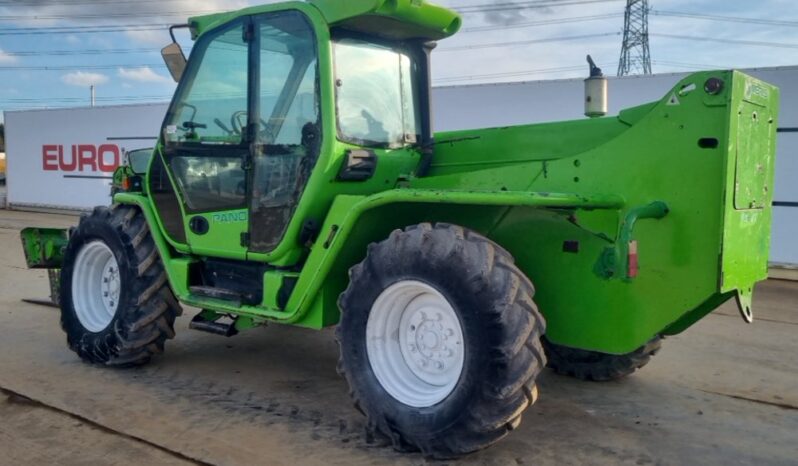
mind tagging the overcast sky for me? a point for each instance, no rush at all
(126, 67)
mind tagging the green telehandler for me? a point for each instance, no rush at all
(297, 180)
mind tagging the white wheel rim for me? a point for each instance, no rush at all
(96, 286)
(415, 345)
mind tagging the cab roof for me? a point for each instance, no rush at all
(390, 19)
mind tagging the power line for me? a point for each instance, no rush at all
(59, 53)
(77, 67)
(95, 26)
(728, 41)
(66, 100)
(83, 99)
(7, 4)
(577, 19)
(731, 19)
(505, 6)
(526, 42)
(692, 66)
(108, 15)
(80, 30)
(700, 66)
(509, 74)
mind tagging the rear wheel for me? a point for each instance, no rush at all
(116, 305)
(599, 367)
(440, 340)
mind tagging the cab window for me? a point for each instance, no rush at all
(377, 94)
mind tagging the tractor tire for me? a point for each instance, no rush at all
(598, 367)
(116, 305)
(416, 292)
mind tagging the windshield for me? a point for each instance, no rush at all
(213, 106)
(377, 94)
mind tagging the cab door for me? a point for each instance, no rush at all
(287, 141)
(243, 134)
(206, 142)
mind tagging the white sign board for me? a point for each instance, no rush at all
(64, 159)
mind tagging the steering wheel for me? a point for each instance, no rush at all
(267, 131)
(239, 121)
(236, 121)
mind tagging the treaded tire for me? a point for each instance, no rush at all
(598, 367)
(147, 309)
(501, 327)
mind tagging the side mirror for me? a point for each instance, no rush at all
(175, 60)
(139, 160)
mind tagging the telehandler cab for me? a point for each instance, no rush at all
(297, 180)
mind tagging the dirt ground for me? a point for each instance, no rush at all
(723, 393)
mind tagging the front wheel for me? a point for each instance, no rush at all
(440, 340)
(116, 306)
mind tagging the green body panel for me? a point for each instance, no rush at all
(396, 19)
(180, 247)
(399, 19)
(629, 226)
(220, 241)
(749, 182)
(44, 247)
(339, 238)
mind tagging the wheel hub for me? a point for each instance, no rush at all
(415, 343)
(96, 286)
(431, 347)
(110, 285)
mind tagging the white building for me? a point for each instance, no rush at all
(34, 139)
